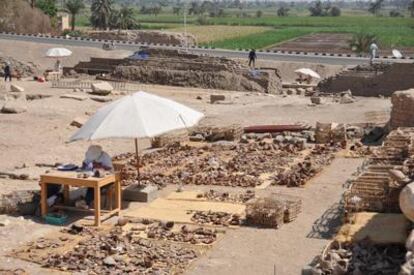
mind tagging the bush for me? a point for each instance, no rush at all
(71, 33)
(335, 11)
(360, 42)
(283, 11)
(202, 20)
(259, 14)
(395, 13)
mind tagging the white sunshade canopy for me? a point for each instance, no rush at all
(397, 53)
(138, 115)
(309, 72)
(58, 52)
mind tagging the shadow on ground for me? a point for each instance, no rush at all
(328, 224)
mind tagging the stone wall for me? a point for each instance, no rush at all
(402, 113)
(365, 80)
(143, 36)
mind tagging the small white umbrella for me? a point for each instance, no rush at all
(396, 53)
(58, 52)
(308, 72)
(136, 116)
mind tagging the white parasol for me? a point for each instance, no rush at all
(58, 52)
(308, 72)
(139, 115)
(397, 53)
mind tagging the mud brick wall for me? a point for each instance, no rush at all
(402, 113)
(371, 81)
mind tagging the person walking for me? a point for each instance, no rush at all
(252, 58)
(373, 48)
(7, 72)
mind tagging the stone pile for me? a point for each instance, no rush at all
(402, 113)
(300, 172)
(119, 252)
(215, 218)
(186, 234)
(168, 139)
(359, 258)
(214, 195)
(408, 266)
(228, 164)
(211, 134)
(265, 212)
(19, 202)
(19, 69)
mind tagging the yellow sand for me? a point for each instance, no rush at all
(177, 205)
(379, 228)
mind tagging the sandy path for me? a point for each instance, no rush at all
(288, 249)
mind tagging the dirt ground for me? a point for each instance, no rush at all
(40, 136)
(328, 43)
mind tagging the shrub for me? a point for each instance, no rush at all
(335, 11)
(283, 11)
(259, 14)
(71, 33)
(202, 20)
(360, 42)
(395, 13)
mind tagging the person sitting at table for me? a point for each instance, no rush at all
(95, 158)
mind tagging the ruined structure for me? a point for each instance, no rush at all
(143, 36)
(376, 80)
(175, 68)
(402, 114)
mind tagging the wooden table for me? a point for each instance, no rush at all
(68, 179)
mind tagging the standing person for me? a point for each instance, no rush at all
(252, 58)
(373, 48)
(58, 66)
(7, 72)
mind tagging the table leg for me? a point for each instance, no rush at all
(43, 198)
(66, 194)
(110, 196)
(97, 201)
(118, 201)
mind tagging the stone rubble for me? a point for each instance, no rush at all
(213, 195)
(215, 218)
(187, 234)
(119, 252)
(359, 258)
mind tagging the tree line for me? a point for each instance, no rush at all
(104, 14)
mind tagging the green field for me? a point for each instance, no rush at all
(390, 31)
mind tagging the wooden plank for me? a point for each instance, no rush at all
(72, 179)
(97, 201)
(109, 214)
(66, 191)
(118, 193)
(43, 198)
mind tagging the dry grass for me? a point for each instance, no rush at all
(208, 34)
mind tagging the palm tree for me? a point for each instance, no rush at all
(375, 7)
(74, 7)
(101, 13)
(126, 18)
(411, 8)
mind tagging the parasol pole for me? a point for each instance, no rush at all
(137, 156)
